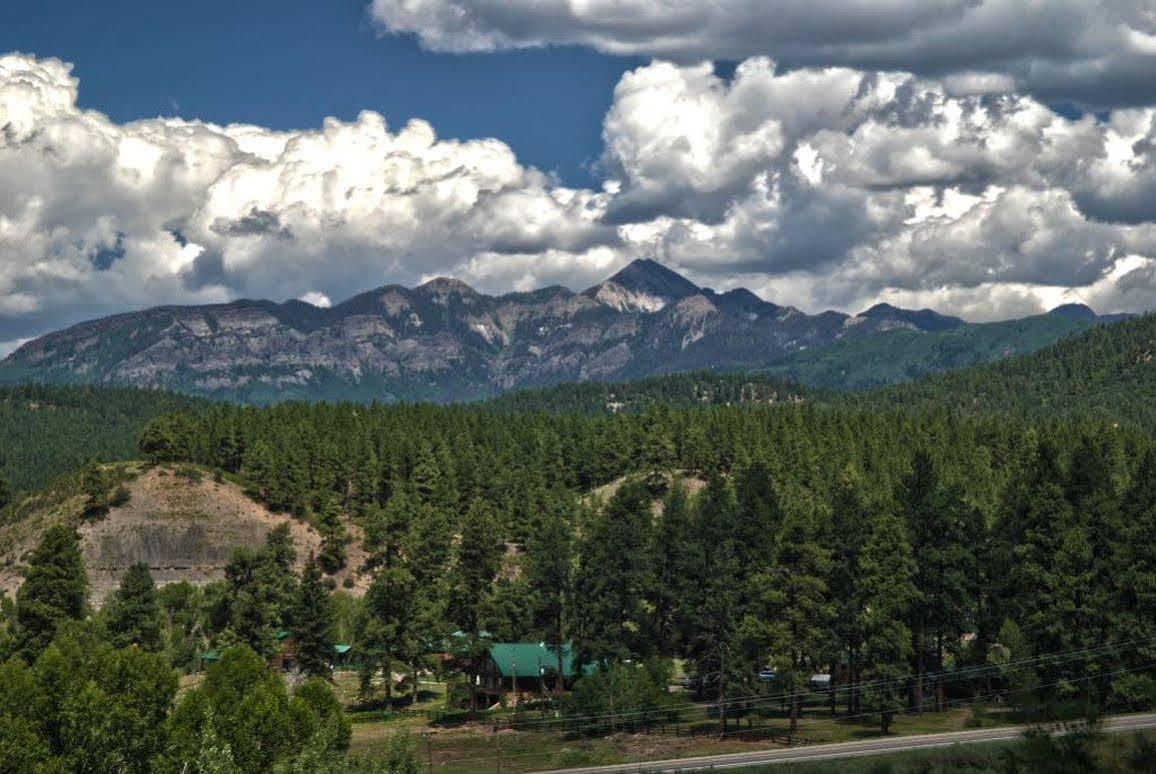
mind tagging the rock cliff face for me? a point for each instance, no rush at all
(442, 340)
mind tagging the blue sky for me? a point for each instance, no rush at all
(288, 64)
(986, 158)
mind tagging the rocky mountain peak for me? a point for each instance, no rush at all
(918, 319)
(643, 286)
(444, 285)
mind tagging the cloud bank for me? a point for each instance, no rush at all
(1099, 53)
(818, 187)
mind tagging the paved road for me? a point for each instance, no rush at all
(848, 749)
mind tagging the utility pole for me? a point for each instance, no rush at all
(612, 699)
(722, 689)
(514, 685)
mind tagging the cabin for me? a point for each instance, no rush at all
(525, 668)
(284, 658)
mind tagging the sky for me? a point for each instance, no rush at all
(987, 158)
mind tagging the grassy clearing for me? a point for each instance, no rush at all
(477, 748)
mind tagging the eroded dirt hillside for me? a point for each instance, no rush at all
(183, 525)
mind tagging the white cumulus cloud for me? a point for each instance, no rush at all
(818, 187)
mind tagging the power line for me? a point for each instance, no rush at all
(844, 718)
(760, 699)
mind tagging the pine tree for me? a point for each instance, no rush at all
(1133, 564)
(333, 536)
(1047, 573)
(885, 595)
(760, 514)
(260, 593)
(476, 561)
(5, 491)
(386, 634)
(611, 620)
(943, 529)
(94, 485)
(718, 585)
(800, 607)
(134, 613)
(313, 622)
(850, 519)
(548, 573)
(386, 528)
(55, 590)
(672, 570)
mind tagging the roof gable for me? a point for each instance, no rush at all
(529, 659)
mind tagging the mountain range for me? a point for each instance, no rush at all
(443, 340)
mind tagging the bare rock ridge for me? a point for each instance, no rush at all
(443, 340)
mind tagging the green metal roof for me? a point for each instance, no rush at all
(210, 655)
(341, 649)
(528, 659)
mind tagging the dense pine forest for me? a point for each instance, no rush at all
(1109, 372)
(901, 356)
(924, 550)
(46, 431)
(870, 544)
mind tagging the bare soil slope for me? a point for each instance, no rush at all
(183, 526)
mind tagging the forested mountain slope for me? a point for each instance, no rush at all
(1107, 373)
(697, 388)
(46, 431)
(900, 356)
(1104, 372)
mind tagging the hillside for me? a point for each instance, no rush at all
(699, 388)
(900, 356)
(47, 431)
(1107, 373)
(1099, 371)
(180, 522)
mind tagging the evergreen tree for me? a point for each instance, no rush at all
(386, 635)
(717, 601)
(672, 572)
(1133, 570)
(943, 529)
(611, 620)
(1052, 559)
(313, 624)
(885, 594)
(134, 613)
(800, 607)
(94, 485)
(333, 536)
(475, 563)
(386, 529)
(760, 515)
(548, 574)
(5, 491)
(851, 517)
(55, 590)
